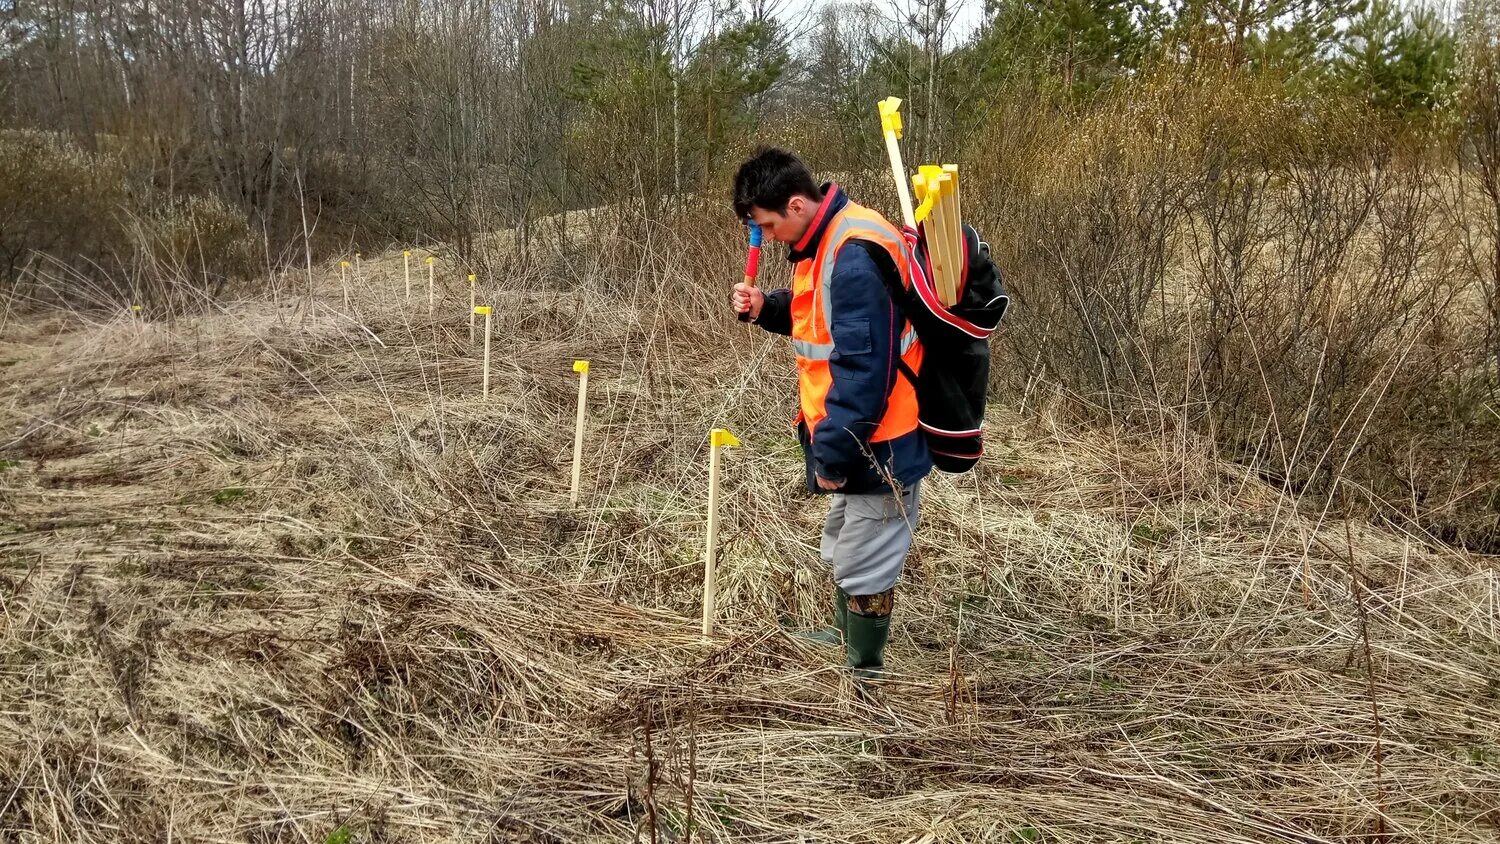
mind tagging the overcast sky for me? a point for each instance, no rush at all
(801, 16)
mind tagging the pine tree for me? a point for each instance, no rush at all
(1084, 43)
(1402, 65)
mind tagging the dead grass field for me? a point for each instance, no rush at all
(276, 573)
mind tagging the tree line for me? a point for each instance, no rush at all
(1271, 223)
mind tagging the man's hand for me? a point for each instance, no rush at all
(748, 300)
(824, 483)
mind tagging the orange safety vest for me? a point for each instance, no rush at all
(812, 314)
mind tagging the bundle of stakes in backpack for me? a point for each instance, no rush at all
(955, 301)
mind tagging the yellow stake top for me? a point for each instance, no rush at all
(483, 310)
(471, 278)
(919, 190)
(135, 308)
(343, 263)
(721, 436)
(929, 187)
(580, 366)
(890, 116)
(406, 253)
(430, 259)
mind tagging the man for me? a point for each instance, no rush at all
(858, 419)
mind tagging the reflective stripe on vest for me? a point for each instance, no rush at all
(824, 351)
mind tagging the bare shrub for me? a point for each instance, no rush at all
(195, 243)
(55, 198)
(1202, 252)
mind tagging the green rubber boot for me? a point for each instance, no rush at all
(834, 635)
(866, 636)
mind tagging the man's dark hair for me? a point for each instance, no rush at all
(769, 179)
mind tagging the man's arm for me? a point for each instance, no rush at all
(776, 312)
(865, 328)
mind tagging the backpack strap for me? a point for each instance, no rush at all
(892, 278)
(887, 267)
(911, 377)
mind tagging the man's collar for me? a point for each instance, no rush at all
(833, 202)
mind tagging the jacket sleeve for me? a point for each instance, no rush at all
(776, 313)
(865, 326)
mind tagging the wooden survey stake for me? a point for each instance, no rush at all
(430, 272)
(484, 311)
(956, 228)
(944, 238)
(890, 126)
(939, 211)
(717, 438)
(344, 281)
(582, 368)
(406, 266)
(472, 312)
(942, 231)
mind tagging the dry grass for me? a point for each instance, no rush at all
(276, 573)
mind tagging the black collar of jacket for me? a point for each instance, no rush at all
(834, 201)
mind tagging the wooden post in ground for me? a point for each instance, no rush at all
(582, 368)
(344, 281)
(717, 438)
(406, 264)
(430, 294)
(483, 310)
(472, 312)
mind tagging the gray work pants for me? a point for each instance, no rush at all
(866, 538)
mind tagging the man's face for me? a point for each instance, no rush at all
(789, 227)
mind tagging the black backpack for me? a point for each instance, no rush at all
(955, 341)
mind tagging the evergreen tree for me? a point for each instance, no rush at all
(1403, 65)
(1083, 43)
(727, 75)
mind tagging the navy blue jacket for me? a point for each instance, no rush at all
(866, 332)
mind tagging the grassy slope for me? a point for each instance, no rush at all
(274, 571)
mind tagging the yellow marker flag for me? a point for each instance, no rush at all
(430, 259)
(928, 182)
(483, 310)
(580, 366)
(344, 264)
(471, 278)
(721, 436)
(925, 194)
(890, 116)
